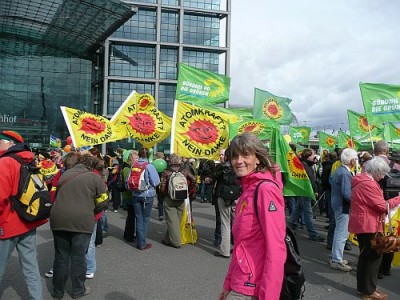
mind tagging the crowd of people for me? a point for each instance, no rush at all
(87, 185)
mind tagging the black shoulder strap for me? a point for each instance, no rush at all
(256, 193)
(392, 164)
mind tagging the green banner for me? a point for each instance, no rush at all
(297, 182)
(271, 107)
(346, 141)
(300, 134)
(327, 141)
(381, 102)
(199, 86)
(261, 128)
(358, 125)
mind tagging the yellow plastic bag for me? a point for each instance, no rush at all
(188, 228)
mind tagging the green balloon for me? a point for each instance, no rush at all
(160, 165)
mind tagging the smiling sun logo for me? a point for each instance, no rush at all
(202, 132)
(330, 141)
(296, 167)
(142, 123)
(91, 125)
(363, 124)
(251, 127)
(144, 101)
(272, 109)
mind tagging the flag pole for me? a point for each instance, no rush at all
(370, 137)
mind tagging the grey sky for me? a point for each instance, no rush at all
(314, 52)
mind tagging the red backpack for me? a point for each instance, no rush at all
(136, 180)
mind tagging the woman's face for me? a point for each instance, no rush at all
(244, 164)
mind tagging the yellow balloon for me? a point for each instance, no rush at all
(287, 138)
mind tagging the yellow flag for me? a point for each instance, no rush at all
(198, 132)
(141, 119)
(87, 129)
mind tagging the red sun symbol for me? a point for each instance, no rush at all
(202, 132)
(46, 164)
(142, 123)
(249, 128)
(92, 126)
(297, 163)
(350, 143)
(144, 102)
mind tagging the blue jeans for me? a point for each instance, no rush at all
(332, 226)
(104, 222)
(91, 254)
(160, 205)
(340, 236)
(26, 248)
(143, 208)
(69, 258)
(303, 205)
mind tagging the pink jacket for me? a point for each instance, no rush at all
(368, 206)
(259, 254)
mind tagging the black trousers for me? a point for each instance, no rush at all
(130, 224)
(70, 249)
(368, 265)
(386, 263)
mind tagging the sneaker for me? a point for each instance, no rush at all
(161, 218)
(340, 266)
(115, 210)
(344, 261)
(89, 275)
(49, 274)
(148, 246)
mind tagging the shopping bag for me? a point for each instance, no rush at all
(188, 228)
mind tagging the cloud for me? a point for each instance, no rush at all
(313, 52)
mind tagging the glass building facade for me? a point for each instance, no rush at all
(142, 55)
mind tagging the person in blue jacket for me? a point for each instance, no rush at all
(143, 201)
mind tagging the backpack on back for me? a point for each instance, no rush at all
(32, 201)
(178, 186)
(390, 184)
(293, 277)
(230, 189)
(136, 180)
(120, 183)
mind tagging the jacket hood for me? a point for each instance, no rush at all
(22, 150)
(359, 178)
(255, 177)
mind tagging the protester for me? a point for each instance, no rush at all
(340, 202)
(16, 233)
(259, 253)
(367, 214)
(143, 201)
(112, 164)
(80, 195)
(160, 197)
(303, 204)
(130, 222)
(173, 208)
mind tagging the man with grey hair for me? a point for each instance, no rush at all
(340, 203)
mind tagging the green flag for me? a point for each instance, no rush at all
(327, 141)
(300, 134)
(271, 107)
(358, 125)
(381, 102)
(260, 128)
(346, 141)
(246, 113)
(297, 182)
(199, 86)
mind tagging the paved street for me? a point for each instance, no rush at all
(192, 272)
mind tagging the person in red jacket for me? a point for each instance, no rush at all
(16, 233)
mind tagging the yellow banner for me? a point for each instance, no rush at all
(47, 167)
(141, 119)
(87, 129)
(199, 132)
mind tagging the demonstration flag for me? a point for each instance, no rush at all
(297, 182)
(198, 132)
(87, 129)
(358, 125)
(326, 141)
(245, 113)
(271, 107)
(47, 167)
(391, 132)
(55, 142)
(142, 120)
(300, 134)
(200, 86)
(260, 128)
(381, 102)
(346, 141)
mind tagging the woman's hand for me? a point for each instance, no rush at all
(223, 294)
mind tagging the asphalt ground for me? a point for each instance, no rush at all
(192, 272)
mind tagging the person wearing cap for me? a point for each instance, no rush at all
(16, 233)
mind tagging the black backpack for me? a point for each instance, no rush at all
(293, 279)
(120, 182)
(390, 184)
(229, 185)
(32, 201)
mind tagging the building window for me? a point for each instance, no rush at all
(170, 2)
(166, 99)
(169, 27)
(203, 4)
(168, 63)
(142, 26)
(201, 30)
(118, 91)
(203, 60)
(132, 61)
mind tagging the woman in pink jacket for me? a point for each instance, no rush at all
(367, 214)
(259, 253)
